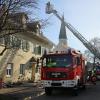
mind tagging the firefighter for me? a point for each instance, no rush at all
(89, 74)
(93, 72)
(93, 76)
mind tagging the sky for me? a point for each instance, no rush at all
(83, 15)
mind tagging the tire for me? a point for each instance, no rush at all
(75, 91)
(81, 84)
(48, 91)
(83, 87)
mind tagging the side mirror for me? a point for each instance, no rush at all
(78, 61)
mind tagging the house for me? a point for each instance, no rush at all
(25, 46)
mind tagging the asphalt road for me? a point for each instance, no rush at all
(24, 92)
(92, 92)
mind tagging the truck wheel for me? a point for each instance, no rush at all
(75, 91)
(83, 87)
(48, 91)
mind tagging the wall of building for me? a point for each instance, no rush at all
(22, 47)
(22, 57)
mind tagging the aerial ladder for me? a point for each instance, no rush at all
(50, 9)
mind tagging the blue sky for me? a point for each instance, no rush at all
(84, 15)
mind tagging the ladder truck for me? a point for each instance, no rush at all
(50, 9)
(65, 68)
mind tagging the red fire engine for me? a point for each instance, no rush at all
(64, 69)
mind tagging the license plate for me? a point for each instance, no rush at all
(55, 81)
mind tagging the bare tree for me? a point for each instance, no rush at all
(8, 7)
(90, 57)
(12, 6)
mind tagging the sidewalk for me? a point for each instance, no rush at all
(21, 92)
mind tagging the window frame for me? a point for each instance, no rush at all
(9, 70)
(22, 70)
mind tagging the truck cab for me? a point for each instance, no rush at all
(64, 69)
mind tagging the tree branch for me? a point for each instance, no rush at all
(3, 51)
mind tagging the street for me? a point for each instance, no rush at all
(92, 92)
(24, 92)
(30, 92)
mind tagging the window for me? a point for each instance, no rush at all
(43, 49)
(58, 61)
(9, 69)
(1, 40)
(25, 46)
(11, 41)
(32, 48)
(37, 50)
(78, 61)
(15, 42)
(74, 60)
(22, 68)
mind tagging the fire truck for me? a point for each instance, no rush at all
(64, 69)
(50, 9)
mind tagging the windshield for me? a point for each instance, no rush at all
(57, 61)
